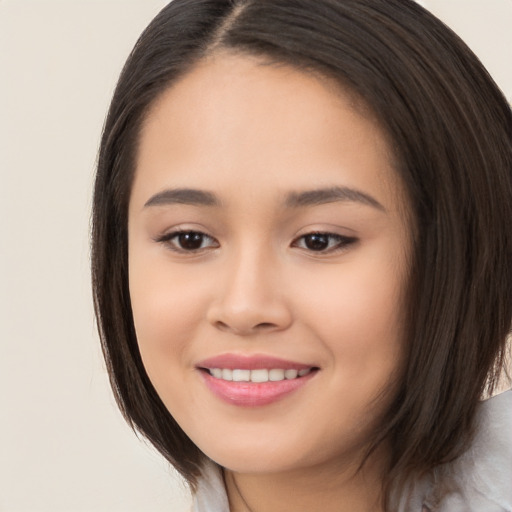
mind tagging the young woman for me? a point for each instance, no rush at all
(302, 256)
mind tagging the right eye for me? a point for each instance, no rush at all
(188, 241)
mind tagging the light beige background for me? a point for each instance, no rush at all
(63, 445)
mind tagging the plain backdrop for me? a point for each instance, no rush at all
(63, 444)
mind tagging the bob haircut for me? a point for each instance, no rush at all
(450, 129)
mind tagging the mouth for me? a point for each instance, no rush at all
(259, 375)
(255, 380)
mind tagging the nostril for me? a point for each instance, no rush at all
(265, 326)
(222, 326)
(246, 328)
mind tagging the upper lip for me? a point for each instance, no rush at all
(251, 362)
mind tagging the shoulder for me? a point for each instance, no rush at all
(481, 479)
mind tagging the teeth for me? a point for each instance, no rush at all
(217, 373)
(291, 374)
(227, 374)
(260, 375)
(275, 375)
(241, 375)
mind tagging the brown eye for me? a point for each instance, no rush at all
(323, 242)
(316, 242)
(188, 241)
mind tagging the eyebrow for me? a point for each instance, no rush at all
(331, 195)
(183, 196)
(196, 197)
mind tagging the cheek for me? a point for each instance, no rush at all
(357, 312)
(166, 310)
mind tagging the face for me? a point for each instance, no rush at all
(267, 265)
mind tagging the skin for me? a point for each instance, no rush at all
(256, 135)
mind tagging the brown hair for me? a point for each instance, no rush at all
(450, 129)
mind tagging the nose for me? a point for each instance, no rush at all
(251, 298)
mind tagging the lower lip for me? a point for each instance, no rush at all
(249, 394)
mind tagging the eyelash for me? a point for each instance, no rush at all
(340, 242)
(169, 240)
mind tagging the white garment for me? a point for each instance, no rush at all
(211, 493)
(482, 475)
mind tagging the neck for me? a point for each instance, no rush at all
(335, 489)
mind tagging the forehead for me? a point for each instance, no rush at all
(240, 117)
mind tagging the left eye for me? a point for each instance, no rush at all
(188, 241)
(323, 242)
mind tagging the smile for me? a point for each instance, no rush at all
(258, 375)
(254, 381)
